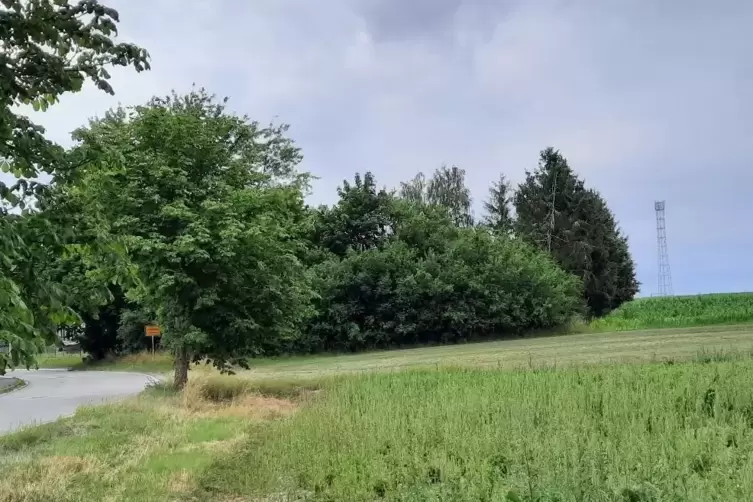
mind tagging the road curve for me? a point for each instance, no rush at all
(51, 394)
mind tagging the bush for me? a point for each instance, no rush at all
(437, 291)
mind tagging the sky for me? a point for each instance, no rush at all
(647, 100)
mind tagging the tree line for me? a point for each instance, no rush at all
(182, 213)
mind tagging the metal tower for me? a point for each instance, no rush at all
(665, 274)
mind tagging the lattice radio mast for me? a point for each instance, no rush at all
(665, 274)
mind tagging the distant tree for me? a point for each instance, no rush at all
(446, 188)
(47, 48)
(497, 206)
(556, 213)
(205, 205)
(360, 220)
(415, 189)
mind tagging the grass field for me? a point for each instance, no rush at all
(647, 433)
(640, 416)
(548, 351)
(678, 312)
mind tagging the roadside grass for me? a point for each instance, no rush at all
(148, 448)
(10, 384)
(663, 431)
(144, 362)
(678, 312)
(58, 361)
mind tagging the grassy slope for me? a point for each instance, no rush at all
(643, 346)
(518, 353)
(643, 433)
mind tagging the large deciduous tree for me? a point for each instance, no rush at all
(206, 205)
(557, 213)
(47, 48)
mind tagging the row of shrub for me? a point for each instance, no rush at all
(476, 285)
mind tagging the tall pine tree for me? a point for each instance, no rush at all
(557, 213)
(498, 216)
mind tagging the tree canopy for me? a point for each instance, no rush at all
(558, 214)
(204, 204)
(445, 188)
(182, 213)
(47, 48)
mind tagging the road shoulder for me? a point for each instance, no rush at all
(9, 384)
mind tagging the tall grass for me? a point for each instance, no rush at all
(661, 432)
(679, 311)
(151, 448)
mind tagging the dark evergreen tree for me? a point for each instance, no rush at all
(498, 215)
(558, 214)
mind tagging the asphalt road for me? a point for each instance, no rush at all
(51, 394)
(6, 382)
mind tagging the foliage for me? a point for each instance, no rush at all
(132, 322)
(556, 213)
(679, 311)
(498, 215)
(30, 305)
(446, 188)
(205, 203)
(359, 221)
(47, 48)
(94, 301)
(436, 283)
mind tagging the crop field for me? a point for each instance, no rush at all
(678, 312)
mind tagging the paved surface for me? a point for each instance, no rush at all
(51, 394)
(6, 382)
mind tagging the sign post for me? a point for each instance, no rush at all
(152, 331)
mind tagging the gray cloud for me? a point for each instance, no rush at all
(648, 100)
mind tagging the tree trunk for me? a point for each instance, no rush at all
(181, 367)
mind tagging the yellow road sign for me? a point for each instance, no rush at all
(152, 330)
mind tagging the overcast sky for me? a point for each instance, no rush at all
(647, 100)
